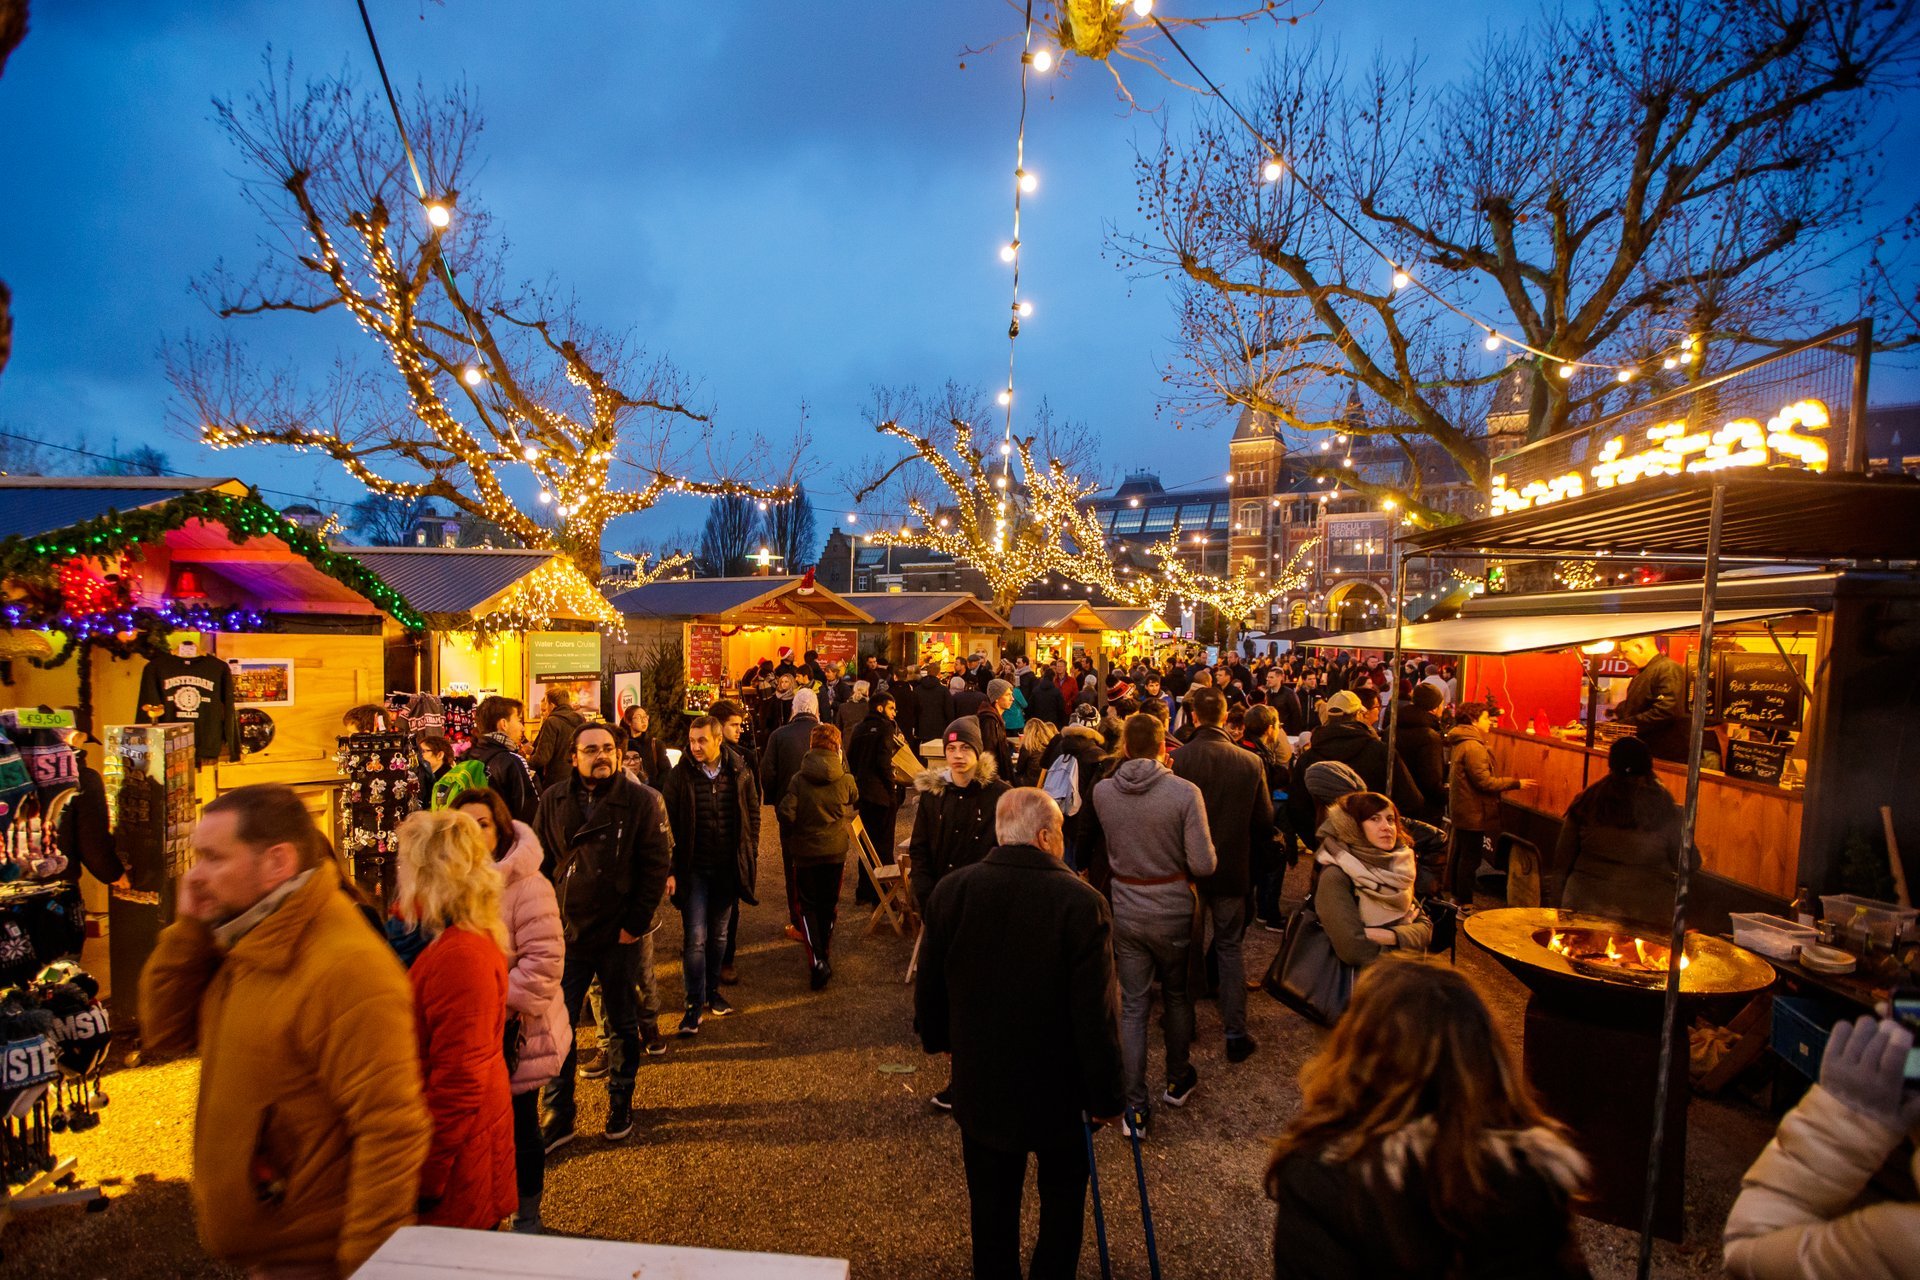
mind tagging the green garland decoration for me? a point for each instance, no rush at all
(244, 517)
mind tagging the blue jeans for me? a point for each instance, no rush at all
(706, 907)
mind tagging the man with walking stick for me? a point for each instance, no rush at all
(1010, 941)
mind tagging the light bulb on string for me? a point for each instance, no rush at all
(1272, 169)
(1009, 250)
(473, 375)
(1566, 371)
(1669, 363)
(1028, 181)
(545, 496)
(1141, 8)
(1401, 279)
(439, 214)
(1024, 307)
(531, 454)
(1040, 59)
(1493, 341)
(1624, 375)
(1006, 396)
(1006, 448)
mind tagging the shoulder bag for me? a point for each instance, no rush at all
(1306, 975)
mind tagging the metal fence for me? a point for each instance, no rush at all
(1802, 407)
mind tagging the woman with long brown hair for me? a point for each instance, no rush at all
(1419, 1151)
(1365, 892)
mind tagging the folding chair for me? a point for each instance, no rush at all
(889, 883)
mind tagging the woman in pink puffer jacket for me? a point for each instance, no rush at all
(536, 952)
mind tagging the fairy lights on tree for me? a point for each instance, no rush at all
(484, 382)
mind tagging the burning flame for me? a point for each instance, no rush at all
(1591, 951)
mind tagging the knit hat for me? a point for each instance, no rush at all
(806, 702)
(1328, 780)
(966, 731)
(1344, 703)
(998, 689)
(1086, 714)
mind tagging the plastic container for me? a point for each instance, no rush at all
(1886, 922)
(1771, 935)
(1800, 1031)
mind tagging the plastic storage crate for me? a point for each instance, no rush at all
(1800, 1031)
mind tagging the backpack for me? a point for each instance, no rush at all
(1063, 783)
(465, 776)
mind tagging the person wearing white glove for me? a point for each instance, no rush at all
(1792, 1218)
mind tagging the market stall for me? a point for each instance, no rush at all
(723, 626)
(201, 641)
(1134, 633)
(1049, 629)
(498, 620)
(938, 627)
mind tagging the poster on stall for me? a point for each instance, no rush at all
(836, 645)
(705, 666)
(262, 682)
(627, 692)
(563, 659)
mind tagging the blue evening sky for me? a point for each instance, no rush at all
(796, 202)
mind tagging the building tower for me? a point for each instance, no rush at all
(1507, 415)
(1256, 453)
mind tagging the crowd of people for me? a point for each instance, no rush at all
(1082, 847)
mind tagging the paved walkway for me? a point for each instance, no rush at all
(785, 1128)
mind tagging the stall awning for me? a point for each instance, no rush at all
(1055, 615)
(1771, 516)
(948, 610)
(1531, 633)
(458, 588)
(774, 602)
(1129, 619)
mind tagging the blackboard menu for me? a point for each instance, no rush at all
(1757, 761)
(703, 654)
(1758, 689)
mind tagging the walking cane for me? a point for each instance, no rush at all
(1099, 1215)
(1146, 1211)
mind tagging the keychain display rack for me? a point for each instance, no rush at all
(381, 788)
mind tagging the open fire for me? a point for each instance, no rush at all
(1602, 954)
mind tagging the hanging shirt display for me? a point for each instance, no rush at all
(196, 691)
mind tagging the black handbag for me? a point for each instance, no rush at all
(1306, 975)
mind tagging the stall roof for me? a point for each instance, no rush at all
(1055, 615)
(455, 586)
(1770, 516)
(33, 505)
(773, 601)
(1531, 633)
(928, 608)
(1125, 619)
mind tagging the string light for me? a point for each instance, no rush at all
(1028, 182)
(1009, 250)
(439, 215)
(1272, 169)
(473, 375)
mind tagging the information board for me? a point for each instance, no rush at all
(553, 654)
(1757, 761)
(1758, 689)
(704, 660)
(836, 645)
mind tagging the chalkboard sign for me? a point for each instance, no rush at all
(1757, 761)
(1758, 689)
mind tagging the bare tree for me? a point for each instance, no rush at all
(790, 530)
(1602, 187)
(1012, 509)
(730, 533)
(385, 521)
(13, 29)
(477, 379)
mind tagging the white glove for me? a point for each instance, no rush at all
(1865, 1067)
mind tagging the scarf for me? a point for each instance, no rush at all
(228, 935)
(1382, 881)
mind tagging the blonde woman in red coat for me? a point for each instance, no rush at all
(450, 892)
(536, 955)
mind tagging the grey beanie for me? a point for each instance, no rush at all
(965, 730)
(1328, 780)
(998, 689)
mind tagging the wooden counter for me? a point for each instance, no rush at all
(1746, 831)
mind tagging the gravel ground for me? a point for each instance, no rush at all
(784, 1129)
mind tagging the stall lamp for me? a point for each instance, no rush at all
(1597, 648)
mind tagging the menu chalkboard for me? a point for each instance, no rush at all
(703, 654)
(1757, 761)
(1758, 689)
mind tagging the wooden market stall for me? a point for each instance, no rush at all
(723, 626)
(192, 603)
(940, 627)
(1134, 633)
(1049, 629)
(512, 621)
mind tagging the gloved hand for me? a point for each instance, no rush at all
(1865, 1067)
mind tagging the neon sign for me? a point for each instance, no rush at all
(1672, 448)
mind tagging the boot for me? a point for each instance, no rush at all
(526, 1219)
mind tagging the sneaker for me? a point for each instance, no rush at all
(819, 974)
(1133, 1123)
(689, 1023)
(619, 1121)
(596, 1066)
(654, 1045)
(729, 976)
(1178, 1091)
(554, 1135)
(943, 1100)
(793, 933)
(719, 1008)
(1240, 1048)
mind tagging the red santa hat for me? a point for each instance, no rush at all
(806, 583)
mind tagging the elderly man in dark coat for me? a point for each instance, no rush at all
(1017, 983)
(1233, 782)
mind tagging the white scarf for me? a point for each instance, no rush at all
(1382, 881)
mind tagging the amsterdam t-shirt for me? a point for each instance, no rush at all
(195, 691)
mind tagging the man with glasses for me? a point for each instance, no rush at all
(609, 852)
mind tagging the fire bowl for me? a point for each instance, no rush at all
(1561, 952)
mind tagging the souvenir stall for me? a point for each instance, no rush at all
(724, 626)
(1134, 633)
(200, 642)
(938, 627)
(1049, 629)
(498, 620)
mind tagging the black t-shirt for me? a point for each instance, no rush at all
(196, 691)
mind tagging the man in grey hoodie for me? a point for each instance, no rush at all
(1157, 845)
